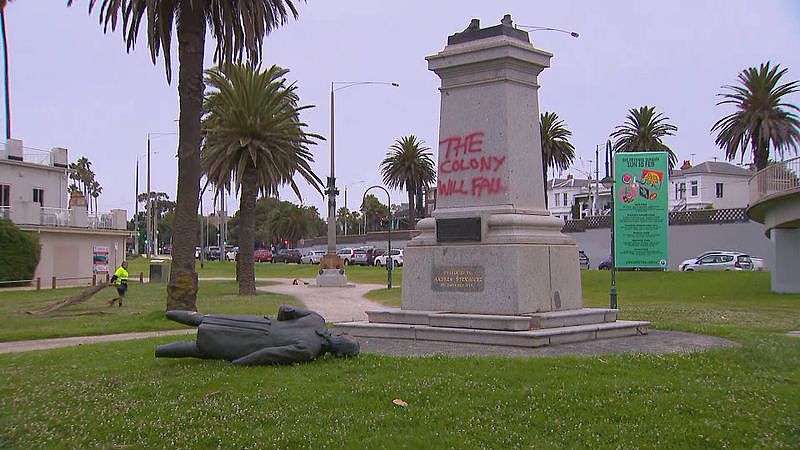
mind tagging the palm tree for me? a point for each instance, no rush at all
(642, 132)
(290, 222)
(762, 118)
(95, 190)
(557, 151)
(237, 27)
(409, 165)
(255, 141)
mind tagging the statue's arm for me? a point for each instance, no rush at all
(286, 354)
(289, 312)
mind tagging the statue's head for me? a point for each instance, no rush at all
(343, 345)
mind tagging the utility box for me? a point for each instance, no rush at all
(159, 271)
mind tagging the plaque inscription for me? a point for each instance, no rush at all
(457, 279)
(461, 229)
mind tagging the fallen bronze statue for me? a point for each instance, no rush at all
(297, 335)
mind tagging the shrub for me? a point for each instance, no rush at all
(19, 252)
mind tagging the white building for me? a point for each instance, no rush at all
(33, 195)
(711, 184)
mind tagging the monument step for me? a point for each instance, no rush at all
(528, 338)
(555, 319)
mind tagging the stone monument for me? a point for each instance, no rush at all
(492, 258)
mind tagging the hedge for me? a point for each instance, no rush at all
(19, 252)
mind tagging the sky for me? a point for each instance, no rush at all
(73, 86)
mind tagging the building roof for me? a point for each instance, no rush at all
(567, 182)
(716, 167)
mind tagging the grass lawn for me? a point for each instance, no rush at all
(143, 310)
(116, 395)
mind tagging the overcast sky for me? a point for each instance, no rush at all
(73, 87)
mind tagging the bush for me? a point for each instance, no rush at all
(19, 252)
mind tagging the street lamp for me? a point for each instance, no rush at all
(608, 183)
(389, 260)
(537, 28)
(331, 189)
(345, 201)
(151, 227)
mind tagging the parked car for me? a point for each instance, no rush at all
(312, 257)
(758, 263)
(361, 256)
(231, 254)
(212, 253)
(397, 258)
(722, 261)
(347, 254)
(682, 266)
(605, 264)
(287, 255)
(583, 260)
(262, 255)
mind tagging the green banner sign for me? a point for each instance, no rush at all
(641, 215)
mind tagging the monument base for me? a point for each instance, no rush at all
(331, 278)
(526, 330)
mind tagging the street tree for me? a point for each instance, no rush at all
(643, 131)
(557, 151)
(409, 165)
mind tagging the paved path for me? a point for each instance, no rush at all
(44, 344)
(334, 304)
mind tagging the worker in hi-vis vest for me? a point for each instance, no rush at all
(120, 280)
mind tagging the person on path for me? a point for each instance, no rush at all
(120, 280)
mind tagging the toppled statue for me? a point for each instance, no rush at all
(298, 335)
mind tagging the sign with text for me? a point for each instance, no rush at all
(641, 214)
(458, 279)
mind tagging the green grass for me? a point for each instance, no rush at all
(143, 310)
(385, 296)
(116, 395)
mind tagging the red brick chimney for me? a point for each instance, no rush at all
(686, 165)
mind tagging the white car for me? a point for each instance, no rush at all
(230, 255)
(397, 258)
(682, 266)
(347, 255)
(721, 261)
(758, 263)
(312, 257)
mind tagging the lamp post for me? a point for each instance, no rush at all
(331, 190)
(345, 201)
(389, 260)
(538, 28)
(151, 227)
(608, 182)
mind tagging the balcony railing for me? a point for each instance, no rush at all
(100, 221)
(774, 180)
(55, 217)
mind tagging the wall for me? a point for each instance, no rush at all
(23, 177)
(687, 241)
(67, 253)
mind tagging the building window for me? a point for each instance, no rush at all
(693, 186)
(5, 195)
(555, 199)
(565, 199)
(680, 191)
(719, 190)
(38, 196)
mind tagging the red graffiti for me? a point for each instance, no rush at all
(464, 154)
(490, 186)
(458, 145)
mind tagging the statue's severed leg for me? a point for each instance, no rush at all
(178, 350)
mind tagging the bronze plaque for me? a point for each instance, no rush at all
(462, 229)
(457, 279)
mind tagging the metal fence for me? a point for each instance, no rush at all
(689, 217)
(55, 217)
(775, 179)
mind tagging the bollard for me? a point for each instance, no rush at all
(54, 282)
(94, 279)
(141, 277)
(38, 283)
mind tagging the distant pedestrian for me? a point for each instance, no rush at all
(120, 280)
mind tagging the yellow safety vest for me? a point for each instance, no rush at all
(122, 275)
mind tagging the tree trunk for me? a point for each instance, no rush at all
(182, 287)
(247, 222)
(760, 152)
(411, 213)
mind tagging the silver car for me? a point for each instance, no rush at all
(721, 261)
(312, 257)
